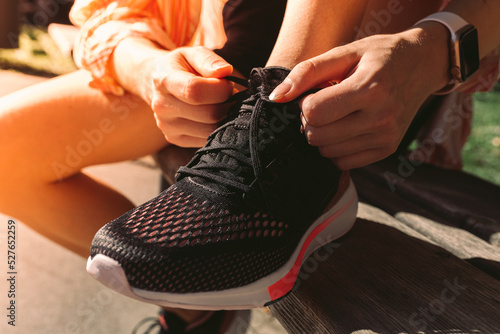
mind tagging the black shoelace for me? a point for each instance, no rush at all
(211, 164)
(244, 166)
(154, 323)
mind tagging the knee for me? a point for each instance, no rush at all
(24, 145)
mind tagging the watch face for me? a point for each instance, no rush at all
(469, 51)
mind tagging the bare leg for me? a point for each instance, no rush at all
(51, 131)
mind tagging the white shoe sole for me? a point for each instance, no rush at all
(329, 226)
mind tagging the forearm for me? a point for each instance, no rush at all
(131, 65)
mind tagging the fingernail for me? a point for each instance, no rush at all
(280, 91)
(219, 64)
(303, 119)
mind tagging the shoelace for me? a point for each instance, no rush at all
(155, 323)
(246, 158)
(212, 170)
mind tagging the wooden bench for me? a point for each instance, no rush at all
(423, 256)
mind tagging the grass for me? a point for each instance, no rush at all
(482, 151)
(37, 55)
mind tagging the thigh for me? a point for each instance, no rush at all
(52, 130)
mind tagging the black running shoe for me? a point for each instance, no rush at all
(246, 212)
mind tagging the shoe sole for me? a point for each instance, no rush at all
(329, 226)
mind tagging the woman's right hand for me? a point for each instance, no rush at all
(186, 91)
(383, 80)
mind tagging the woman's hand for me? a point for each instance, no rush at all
(382, 81)
(186, 91)
(184, 87)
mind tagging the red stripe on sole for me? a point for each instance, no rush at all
(284, 285)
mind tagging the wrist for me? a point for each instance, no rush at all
(133, 64)
(433, 52)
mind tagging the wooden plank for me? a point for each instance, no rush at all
(371, 191)
(383, 280)
(447, 196)
(460, 243)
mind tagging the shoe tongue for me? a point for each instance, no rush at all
(235, 134)
(264, 80)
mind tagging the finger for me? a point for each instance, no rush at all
(333, 65)
(187, 141)
(360, 159)
(362, 121)
(172, 107)
(178, 130)
(349, 147)
(333, 103)
(359, 151)
(209, 114)
(206, 62)
(336, 132)
(196, 90)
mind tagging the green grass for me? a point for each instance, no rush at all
(37, 54)
(482, 151)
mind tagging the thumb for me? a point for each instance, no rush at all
(206, 62)
(334, 65)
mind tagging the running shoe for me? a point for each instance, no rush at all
(244, 214)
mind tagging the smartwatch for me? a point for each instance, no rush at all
(464, 48)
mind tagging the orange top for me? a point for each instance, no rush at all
(169, 23)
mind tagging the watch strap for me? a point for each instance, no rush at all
(450, 20)
(453, 23)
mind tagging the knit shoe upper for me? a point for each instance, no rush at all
(239, 209)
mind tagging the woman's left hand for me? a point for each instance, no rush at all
(382, 81)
